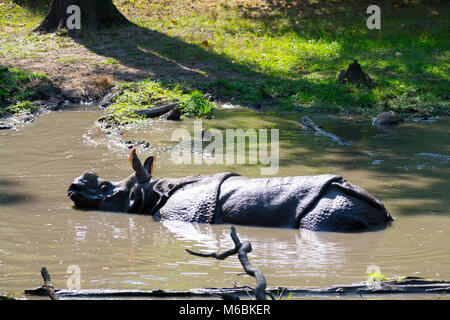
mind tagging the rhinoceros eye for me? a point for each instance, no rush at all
(135, 198)
(104, 186)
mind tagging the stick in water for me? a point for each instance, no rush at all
(241, 248)
(48, 284)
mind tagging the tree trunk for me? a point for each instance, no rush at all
(95, 15)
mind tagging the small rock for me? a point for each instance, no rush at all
(206, 135)
(397, 54)
(108, 99)
(386, 119)
(132, 143)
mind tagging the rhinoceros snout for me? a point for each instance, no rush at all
(83, 192)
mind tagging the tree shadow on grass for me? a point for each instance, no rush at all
(40, 7)
(152, 54)
(408, 28)
(159, 56)
(147, 53)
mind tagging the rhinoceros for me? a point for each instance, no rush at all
(319, 203)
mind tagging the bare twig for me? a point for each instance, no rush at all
(242, 249)
(219, 256)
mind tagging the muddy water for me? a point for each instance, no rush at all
(406, 167)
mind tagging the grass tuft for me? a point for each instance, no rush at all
(195, 105)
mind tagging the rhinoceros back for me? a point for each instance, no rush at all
(279, 202)
(318, 203)
(345, 208)
(194, 202)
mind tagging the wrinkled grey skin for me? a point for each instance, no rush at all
(318, 203)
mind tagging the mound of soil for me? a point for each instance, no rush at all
(355, 74)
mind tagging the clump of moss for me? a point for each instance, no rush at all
(377, 276)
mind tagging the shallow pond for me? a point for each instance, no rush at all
(407, 167)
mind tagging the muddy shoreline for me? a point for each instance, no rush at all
(47, 100)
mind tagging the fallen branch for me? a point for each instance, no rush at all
(241, 248)
(156, 111)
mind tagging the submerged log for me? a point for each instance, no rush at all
(405, 286)
(307, 124)
(395, 286)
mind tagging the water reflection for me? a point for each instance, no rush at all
(10, 193)
(290, 249)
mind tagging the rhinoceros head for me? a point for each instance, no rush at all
(89, 191)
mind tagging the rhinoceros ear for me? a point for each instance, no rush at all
(141, 174)
(149, 164)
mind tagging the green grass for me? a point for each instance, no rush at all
(23, 106)
(297, 56)
(194, 105)
(294, 52)
(14, 16)
(18, 87)
(148, 94)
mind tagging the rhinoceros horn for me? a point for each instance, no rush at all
(142, 175)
